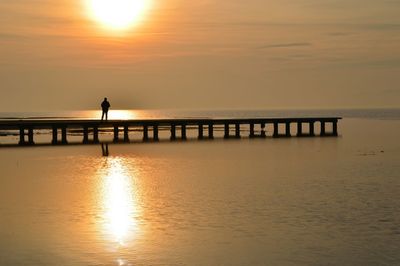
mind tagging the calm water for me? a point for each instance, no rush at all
(298, 201)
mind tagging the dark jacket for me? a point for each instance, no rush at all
(105, 105)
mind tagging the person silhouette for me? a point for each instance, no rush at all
(105, 105)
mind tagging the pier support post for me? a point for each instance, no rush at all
(64, 135)
(226, 135)
(210, 131)
(55, 136)
(96, 134)
(276, 130)
(155, 133)
(201, 135)
(22, 136)
(85, 134)
(116, 133)
(30, 136)
(183, 128)
(287, 129)
(251, 135)
(299, 129)
(173, 132)
(126, 133)
(263, 131)
(334, 128)
(312, 130)
(323, 133)
(145, 133)
(237, 130)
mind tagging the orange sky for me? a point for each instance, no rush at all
(202, 54)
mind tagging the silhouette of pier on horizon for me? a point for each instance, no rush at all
(232, 128)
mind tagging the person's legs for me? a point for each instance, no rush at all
(102, 115)
(106, 115)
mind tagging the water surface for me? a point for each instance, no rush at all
(298, 201)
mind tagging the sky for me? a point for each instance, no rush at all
(236, 54)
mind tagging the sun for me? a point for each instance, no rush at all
(118, 14)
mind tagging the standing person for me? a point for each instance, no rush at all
(105, 105)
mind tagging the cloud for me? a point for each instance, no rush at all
(285, 45)
(381, 26)
(10, 36)
(385, 63)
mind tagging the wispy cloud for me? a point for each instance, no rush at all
(285, 45)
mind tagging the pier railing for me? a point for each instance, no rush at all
(205, 128)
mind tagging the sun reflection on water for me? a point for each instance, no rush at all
(123, 114)
(119, 201)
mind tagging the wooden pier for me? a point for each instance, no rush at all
(232, 128)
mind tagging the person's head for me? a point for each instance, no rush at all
(105, 98)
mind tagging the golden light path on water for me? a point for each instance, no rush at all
(116, 114)
(113, 114)
(119, 201)
(123, 114)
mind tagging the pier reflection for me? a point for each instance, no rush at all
(118, 201)
(104, 149)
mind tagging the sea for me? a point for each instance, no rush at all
(262, 201)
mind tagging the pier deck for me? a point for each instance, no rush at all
(205, 128)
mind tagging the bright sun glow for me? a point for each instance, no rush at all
(118, 14)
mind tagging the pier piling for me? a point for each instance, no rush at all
(145, 133)
(210, 131)
(263, 130)
(251, 134)
(276, 130)
(96, 134)
(237, 130)
(312, 130)
(85, 134)
(55, 135)
(183, 129)
(201, 135)
(323, 133)
(334, 128)
(126, 134)
(155, 133)
(22, 136)
(299, 129)
(30, 136)
(226, 130)
(116, 134)
(64, 135)
(287, 129)
(173, 132)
